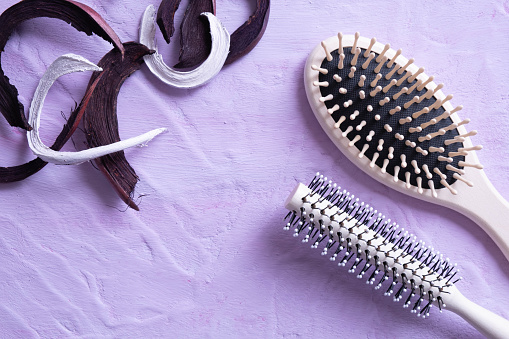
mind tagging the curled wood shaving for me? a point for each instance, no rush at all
(196, 77)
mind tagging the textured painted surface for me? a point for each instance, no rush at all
(206, 256)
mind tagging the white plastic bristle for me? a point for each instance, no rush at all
(395, 110)
(438, 88)
(368, 50)
(362, 80)
(421, 86)
(375, 80)
(391, 153)
(337, 78)
(391, 73)
(434, 121)
(319, 69)
(452, 190)
(403, 161)
(460, 178)
(432, 135)
(352, 72)
(411, 102)
(429, 175)
(425, 110)
(374, 159)
(369, 108)
(340, 40)
(414, 86)
(388, 128)
(402, 91)
(447, 98)
(369, 137)
(341, 62)
(333, 109)
(354, 115)
(327, 98)
(419, 185)
(436, 104)
(326, 50)
(380, 65)
(347, 103)
(422, 151)
(375, 91)
(407, 180)
(416, 74)
(454, 169)
(388, 86)
(368, 60)
(362, 95)
(440, 174)
(399, 136)
(354, 140)
(380, 146)
(465, 164)
(364, 149)
(378, 117)
(321, 84)
(381, 55)
(457, 154)
(415, 129)
(348, 130)
(473, 148)
(355, 57)
(342, 90)
(361, 125)
(384, 101)
(396, 173)
(402, 79)
(436, 149)
(431, 185)
(339, 122)
(410, 143)
(356, 39)
(384, 167)
(403, 121)
(398, 53)
(402, 69)
(446, 159)
(454, 140)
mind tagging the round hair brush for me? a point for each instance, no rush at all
(391, 120)
(355, 235)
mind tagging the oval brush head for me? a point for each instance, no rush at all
(356, 236)
(388, 117)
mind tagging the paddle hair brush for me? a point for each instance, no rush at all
(391, 120)
(388, 257)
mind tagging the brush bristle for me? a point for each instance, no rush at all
(380, 102)
(356, 235)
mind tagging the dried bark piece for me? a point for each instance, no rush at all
(195, 40)
(66, 64)
(246, 37)
(196, 77)
(166, 17)
(100, 117)
(80, 16)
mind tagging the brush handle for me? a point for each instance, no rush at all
(486, 322)
(485, 206)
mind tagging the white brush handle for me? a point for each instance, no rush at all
(485, 206)
(486, 322)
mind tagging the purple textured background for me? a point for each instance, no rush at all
(206, 256)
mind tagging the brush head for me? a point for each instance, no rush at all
(387, 115)
(357, 236)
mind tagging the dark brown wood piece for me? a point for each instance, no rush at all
(80, 16)
(166, 17)
(246, 37)
(195, 40)
(100, 117)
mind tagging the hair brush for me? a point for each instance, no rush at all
(357, 236)
(391, 120)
